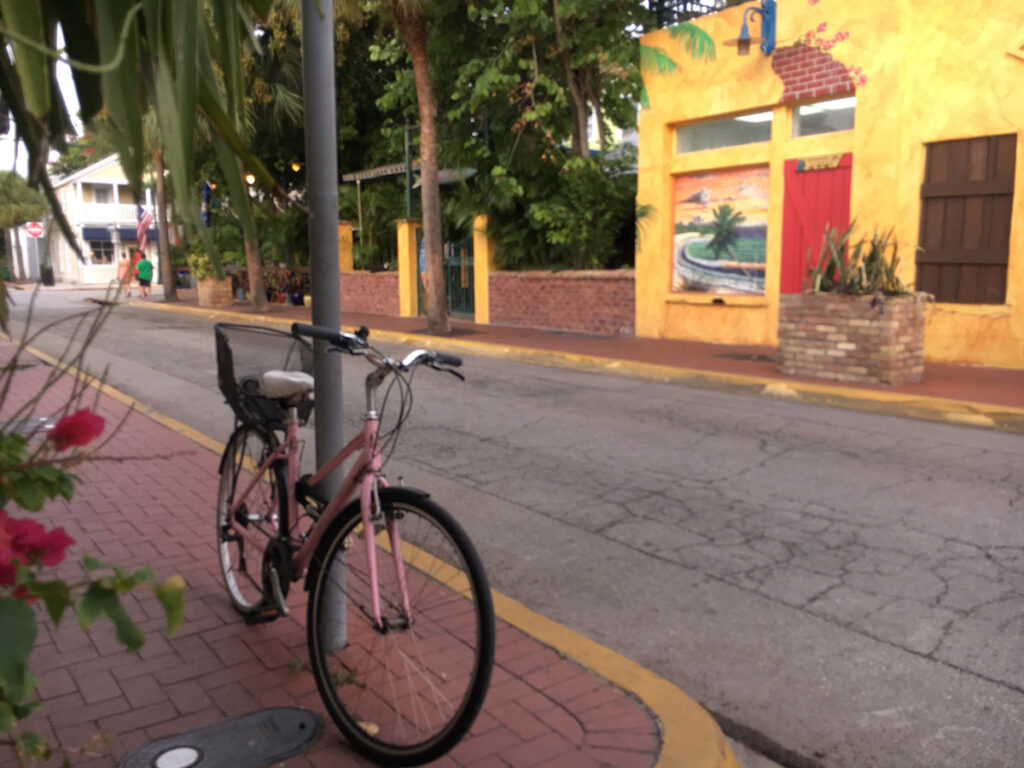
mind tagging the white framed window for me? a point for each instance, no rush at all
(101, 252)
(824, 116)
(728, 132)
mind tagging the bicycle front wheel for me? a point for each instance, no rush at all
(405, 692)
(262, 513)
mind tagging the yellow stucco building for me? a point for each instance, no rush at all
(904, 115)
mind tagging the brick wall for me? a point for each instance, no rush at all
(600, 302)
(852, 338)
(809, 73)
(363, 291)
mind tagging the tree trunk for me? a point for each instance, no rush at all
(20, 272)
(414, 36)
(576, 81)
(253, 265)
(162, 245)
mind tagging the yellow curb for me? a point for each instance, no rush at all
(690, 736)
(985, 415)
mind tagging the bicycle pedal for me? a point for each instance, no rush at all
(263, 615)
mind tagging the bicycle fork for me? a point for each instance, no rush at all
(369, 504)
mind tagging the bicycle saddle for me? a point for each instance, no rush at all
(286, 385)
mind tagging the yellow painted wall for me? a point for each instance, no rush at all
(935, 70)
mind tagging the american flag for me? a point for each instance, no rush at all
(145, 222)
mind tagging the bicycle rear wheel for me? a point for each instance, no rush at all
(264, 512)
(405, 694)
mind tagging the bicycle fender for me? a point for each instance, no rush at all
(352, 508)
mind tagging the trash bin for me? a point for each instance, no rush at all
(47, 274)
(5, 272)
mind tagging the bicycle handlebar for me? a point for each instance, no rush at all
(356, 344)
(348, 341)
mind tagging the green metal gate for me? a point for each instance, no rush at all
(458, 276)
(457, 260)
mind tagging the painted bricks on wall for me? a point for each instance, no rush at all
(601, 302)
(856, 339)
(809, 73)
(376, 292)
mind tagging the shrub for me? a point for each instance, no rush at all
(864, 268)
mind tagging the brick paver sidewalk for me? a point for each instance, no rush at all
(101, 701)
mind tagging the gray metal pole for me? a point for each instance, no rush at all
(322, 191)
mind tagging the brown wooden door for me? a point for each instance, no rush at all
(966, 206)
(816, 198)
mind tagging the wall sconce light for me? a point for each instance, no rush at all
(250, 179)
(767, 38)
(296, 167)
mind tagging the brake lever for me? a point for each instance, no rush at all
(452, 371)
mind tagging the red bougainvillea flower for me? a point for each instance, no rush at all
(79, 428)
(26, 541)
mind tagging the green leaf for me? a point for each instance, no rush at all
(32, 66)
(91, 563)
(171, 595)
(56, 596)
(19, 624)
(27, 493)
(32, 746)
(21, 711)
(99, 600)
(7, 717)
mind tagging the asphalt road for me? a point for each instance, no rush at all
(841, 589)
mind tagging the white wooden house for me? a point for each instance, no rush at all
(104, 217)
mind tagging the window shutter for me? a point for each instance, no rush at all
(966, 205)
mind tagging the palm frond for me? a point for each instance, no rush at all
(695, 40)
(656, 59)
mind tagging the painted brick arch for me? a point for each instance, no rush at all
(809, 73)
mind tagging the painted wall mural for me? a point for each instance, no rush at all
(720, 231)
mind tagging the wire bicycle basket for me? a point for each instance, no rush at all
(244, 353)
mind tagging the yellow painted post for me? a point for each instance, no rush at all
(407, 267)
(346, 262)
(483, 263)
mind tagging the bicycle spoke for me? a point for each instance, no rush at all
(420, 671)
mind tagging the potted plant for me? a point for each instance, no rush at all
(213, 287)
(855, 321)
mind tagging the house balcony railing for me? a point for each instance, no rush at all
(104, 213)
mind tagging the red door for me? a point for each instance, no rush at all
(817, 197)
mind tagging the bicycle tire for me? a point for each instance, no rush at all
(265, 512)
(351, 672)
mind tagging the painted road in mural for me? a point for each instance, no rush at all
(846, 586)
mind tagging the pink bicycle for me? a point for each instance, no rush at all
(400, 623)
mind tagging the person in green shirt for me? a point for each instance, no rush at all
(144, 270)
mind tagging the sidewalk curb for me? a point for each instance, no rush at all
(958, 412)
(690, 736)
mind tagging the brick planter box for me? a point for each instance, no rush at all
(857, 339)
(211, 292)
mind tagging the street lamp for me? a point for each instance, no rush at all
(767, 38)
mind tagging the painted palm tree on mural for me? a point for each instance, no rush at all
(695, 41)
(724, 230)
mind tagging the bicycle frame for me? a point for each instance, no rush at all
(365, 472)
